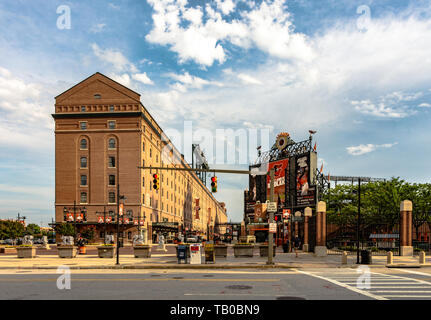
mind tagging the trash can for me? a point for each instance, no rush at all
(82, 250)
(182, 253)
(365, 257)
(209, 253)
(285, 247)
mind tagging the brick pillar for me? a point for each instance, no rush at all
(307, 213)
(406, 228)
(320, 250)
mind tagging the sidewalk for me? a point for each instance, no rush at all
(161, 260)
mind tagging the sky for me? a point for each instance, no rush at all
(356, 71)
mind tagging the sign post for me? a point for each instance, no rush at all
(271, 218)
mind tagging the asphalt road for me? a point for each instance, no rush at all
(312, 284)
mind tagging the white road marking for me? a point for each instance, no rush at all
(365, 293)
(415, 272)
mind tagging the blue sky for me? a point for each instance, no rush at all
(358, 72)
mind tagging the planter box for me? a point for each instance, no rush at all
(242, 251)
(220, 250)
(106, 251)
(66, 251)
(143, 251)
(8, 250)
(26, 252)
(263, 250)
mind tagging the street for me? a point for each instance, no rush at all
(157, 284)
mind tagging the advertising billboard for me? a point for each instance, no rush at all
(279, 178)
(305, 190)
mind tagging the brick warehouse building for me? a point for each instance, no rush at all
(102, 134)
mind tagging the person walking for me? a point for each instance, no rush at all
(297, 244)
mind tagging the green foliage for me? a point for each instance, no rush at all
(11, 229)
(32, 229)
(380, 203)
(89, 233)
(65, 229)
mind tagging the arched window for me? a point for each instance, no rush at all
(111, 143)
(84, 144)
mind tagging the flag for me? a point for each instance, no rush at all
(321, 168)
(315, 146)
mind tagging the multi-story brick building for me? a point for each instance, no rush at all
(103, 133)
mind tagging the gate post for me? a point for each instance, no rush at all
(406, 248)
(307, 213)
(320, 250)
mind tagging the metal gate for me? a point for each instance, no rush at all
(311, 233)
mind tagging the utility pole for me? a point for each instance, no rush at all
(118, 224)
(271, 219)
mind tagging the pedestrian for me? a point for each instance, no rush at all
(297, 244)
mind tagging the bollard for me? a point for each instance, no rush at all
(390, 257)
(344, 257)
(422, 257)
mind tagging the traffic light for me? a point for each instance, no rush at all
(156, 181)
(277, 217)
(214, 184)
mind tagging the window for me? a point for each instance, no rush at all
(83, 180)
(129, 235)
(112, 180)
(143, 181)
(97, 96)
(157, 158)
(111, 108)
(83, 197)
(83, 144)
(111, 162)
(83, 125)
(143, 146)
(111, 124)
(83, 162)
(111, 198)
(150, 152)
(82, 108)
(111, 143)
(143, 199)
(129, 213)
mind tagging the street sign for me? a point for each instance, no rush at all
(273, 227)
(272, 207)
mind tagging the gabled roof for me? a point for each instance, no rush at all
(102, 78)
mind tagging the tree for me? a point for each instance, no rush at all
(32, 229)
(89, 233)
(65, 229)
(11, 229)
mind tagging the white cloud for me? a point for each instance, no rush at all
(425, 105)
(97, 28)
(367, 148)
(266, 26)
(380, 109)
(225, 6)
(142, 77)
(248, 79)
(124, 79)
(186, 81)
(113, 57)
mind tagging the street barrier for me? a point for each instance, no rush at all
(390, 258)
(344, 257)
(422, 257)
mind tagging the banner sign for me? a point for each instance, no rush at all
(121, 209)
(100, 219)
(279, 178)
(108, 219)
(305, 193)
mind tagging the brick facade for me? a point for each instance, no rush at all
(103, 124)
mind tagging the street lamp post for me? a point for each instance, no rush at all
(359, 221)
(271, 219)
(118, 222)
